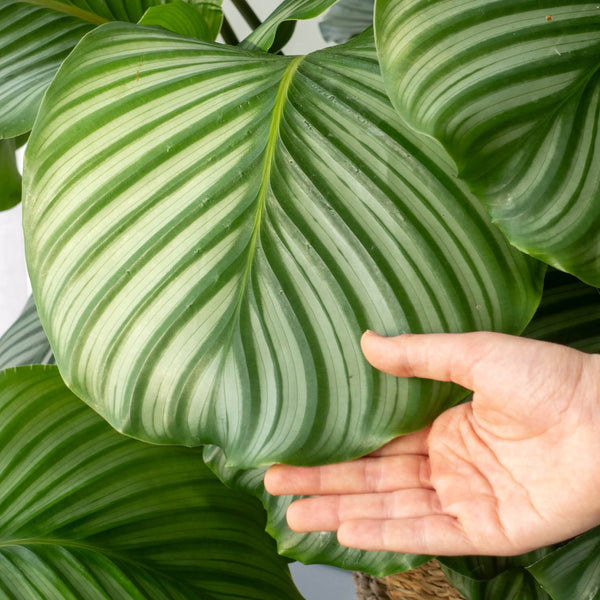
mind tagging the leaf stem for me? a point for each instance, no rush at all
(246, 11)
(228, 33)
(70, 10)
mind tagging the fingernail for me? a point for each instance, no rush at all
(369, 332)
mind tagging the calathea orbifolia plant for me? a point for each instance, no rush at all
(210, 227)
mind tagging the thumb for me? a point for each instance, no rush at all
(456, 357)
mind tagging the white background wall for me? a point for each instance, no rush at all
(315, 582)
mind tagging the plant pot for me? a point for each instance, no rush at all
(426, 582)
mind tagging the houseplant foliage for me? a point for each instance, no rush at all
(512, 90)
(210, 228)
(86, 513)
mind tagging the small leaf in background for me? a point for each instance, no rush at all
(309, 548)
(569, 313)
(25, 342)
(211, 12)
(572, 571)
(208, 242)
(509, 585)
(184, 19)
(88, 514)
(345, 19)
(512, 90)
(10, 178)
(35, 38)
(264, 35)
(33, 43)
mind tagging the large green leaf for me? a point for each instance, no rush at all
(572, 571)
(512, 90)
(208, 239)
(309, 548)
(25, 342)
(345, 19)
(88, 514)
(37, 35)
(10, 178)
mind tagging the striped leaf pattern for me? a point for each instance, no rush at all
(25, 342)
(37, 35)
(569, 314)
(309, 548)
(33, 42)
(88, 514)
(512, 90)
(209, 230)
(572, 570)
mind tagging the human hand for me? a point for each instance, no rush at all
(513, 470)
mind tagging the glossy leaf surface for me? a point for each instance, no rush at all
(88, 514)
(309, 548)
(569, 313)
(25, 342)
(512, 90)
(572, 571)
(345, 19)
(210, 230)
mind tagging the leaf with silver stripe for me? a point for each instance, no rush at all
(88, 514)
(512, 90)
(25, 343)
(209, 230)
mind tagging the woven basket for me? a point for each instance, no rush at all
(426, 582)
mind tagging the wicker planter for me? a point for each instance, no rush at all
(427, 582)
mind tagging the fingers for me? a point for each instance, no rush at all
(430, 534)
(443, 356)
(327, 513)
(383, 474)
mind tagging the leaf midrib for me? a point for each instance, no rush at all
(67, 9)
(271, 147)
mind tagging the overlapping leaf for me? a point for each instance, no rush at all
(569, 314)
(10, 178)
(572, 571)
(25, 342)
(209, 231)
(36, 36)
(288, 10)
(345, 19)
(509, 585)
(512, 90)
(88, 514)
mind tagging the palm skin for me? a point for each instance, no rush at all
(515, 469)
